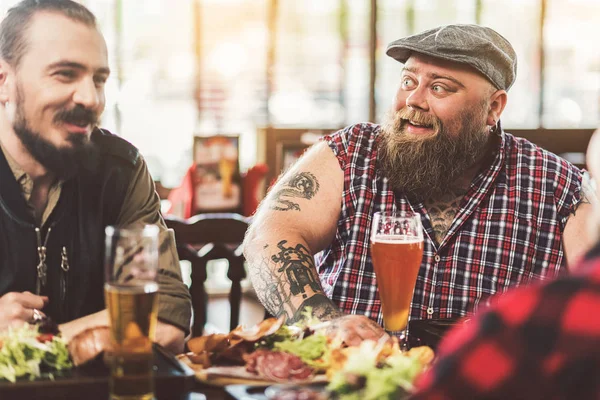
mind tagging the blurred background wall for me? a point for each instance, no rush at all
(202, 67)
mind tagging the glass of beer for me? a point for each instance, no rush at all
(131, 290)
(396, 253)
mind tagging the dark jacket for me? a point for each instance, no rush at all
(88, 202)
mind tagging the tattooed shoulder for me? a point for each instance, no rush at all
(302, 185)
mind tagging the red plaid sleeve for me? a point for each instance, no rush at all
(338, 143)
(540, 342)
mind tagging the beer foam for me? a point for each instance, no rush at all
(395, 239)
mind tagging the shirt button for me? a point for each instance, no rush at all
(437, 258)
(430, 311)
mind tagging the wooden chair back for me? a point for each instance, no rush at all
(206, 237)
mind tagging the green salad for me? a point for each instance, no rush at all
(24, 352)
(366, 377)
(299, 339)
(371, 371)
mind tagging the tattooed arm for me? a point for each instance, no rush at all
(298, 219)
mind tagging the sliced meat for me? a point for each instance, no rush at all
(277, 366)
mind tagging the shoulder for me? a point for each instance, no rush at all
(544, 166)
(524, 151)
(355, 133)
(116, 147)
(358, 138)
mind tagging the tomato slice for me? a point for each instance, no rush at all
(45, 337)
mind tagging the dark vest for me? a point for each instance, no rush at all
(88, 202)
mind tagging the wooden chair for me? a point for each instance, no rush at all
(206, 237)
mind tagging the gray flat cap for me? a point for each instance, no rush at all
(482, 48)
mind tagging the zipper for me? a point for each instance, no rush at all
(42, 268)
(64, 275)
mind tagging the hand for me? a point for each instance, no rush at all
(353, 329)
(167, 336)
(17, 309)
(170, 337)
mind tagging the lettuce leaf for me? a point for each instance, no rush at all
(364, 377)
(312, 350)
(22, 355)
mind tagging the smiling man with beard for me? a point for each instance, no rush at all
(497, 211)
(63, 180)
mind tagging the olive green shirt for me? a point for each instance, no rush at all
(140, 206)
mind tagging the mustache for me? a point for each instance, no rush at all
(78, 115)
(399, 119)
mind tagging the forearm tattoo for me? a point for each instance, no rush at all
(290, 273)
(302, 185)
(322, 308)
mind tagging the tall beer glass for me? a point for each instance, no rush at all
(131, 265)
(396, 253)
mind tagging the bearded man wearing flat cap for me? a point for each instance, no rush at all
(497, 211)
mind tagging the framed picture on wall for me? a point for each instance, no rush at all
(216, 181)
(288, 152)
(276, 146)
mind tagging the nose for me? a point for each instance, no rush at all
(417, 99)
(87, 94)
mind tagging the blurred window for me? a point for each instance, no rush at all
(572, 68)
(356, 80)
(232, 92)
(519, 22)
(320, 76)
(308, 71)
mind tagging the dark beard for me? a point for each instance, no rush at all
(63, 162)
(424, 168)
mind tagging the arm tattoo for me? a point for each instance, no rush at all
(322, 308)
(270, 290)
(302, 185)
(292, 276)
(297, 264)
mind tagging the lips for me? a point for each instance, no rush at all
(77, 128)
(419, 124)
(417, 128)
(77, 119)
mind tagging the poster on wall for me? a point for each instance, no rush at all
(217, 184)
(288, 152)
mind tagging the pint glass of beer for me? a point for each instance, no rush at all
(131, 265)
(396, 252)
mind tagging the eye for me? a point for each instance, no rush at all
(407, 82)
(438, 89)
(66, 74)
(100, 80)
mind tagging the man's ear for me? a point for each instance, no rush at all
(497, 104)
(5, 72)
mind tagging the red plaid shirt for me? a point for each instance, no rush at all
(507, 231)
(540, 342)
